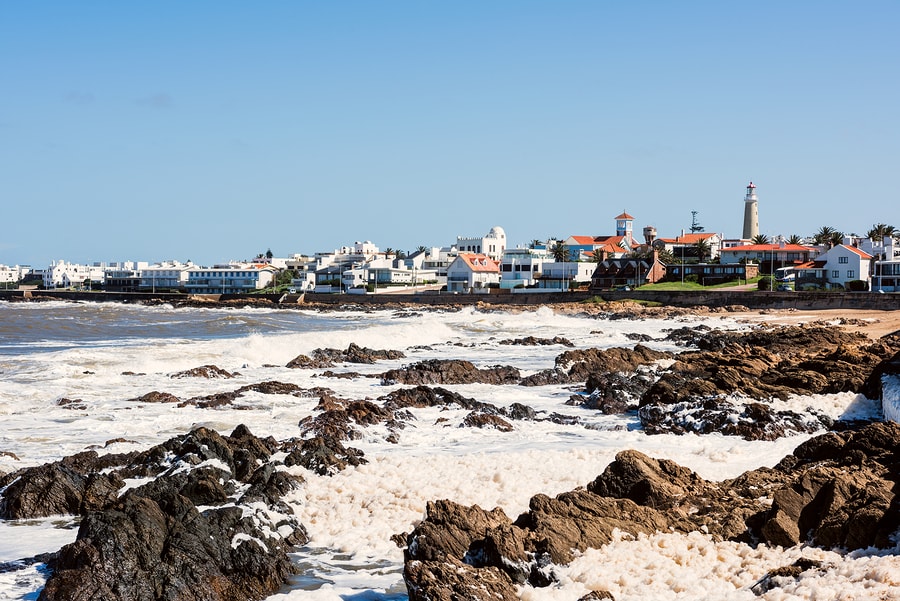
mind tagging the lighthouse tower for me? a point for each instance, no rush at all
(751, 213)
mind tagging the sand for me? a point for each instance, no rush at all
(874, 324)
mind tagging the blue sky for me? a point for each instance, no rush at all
(212, 131)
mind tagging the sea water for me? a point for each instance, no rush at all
(100, 358)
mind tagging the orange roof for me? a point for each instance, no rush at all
(583, 240)
(693, 238)
(479, 262)
(624, 215)
(862, 254)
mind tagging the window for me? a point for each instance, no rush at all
(851, 273)
(843, 259)
(835, 273)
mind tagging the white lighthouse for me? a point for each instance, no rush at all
(751, 213)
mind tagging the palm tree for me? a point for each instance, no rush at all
(703, 249)
(388, 251)
(880, 231)
(598, 256)
(828, 236)
(535, 243)
(560, 252)
(760, 239)
(795, 239)
(421, 248)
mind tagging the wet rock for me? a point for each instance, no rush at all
(54, 489)
(451, 371)
(486, 420)
(155, 542)
(579, 365)
(837, 491)
(323, 455)
(533, 341)
(204, 371)
(156, 397)
(323, 358)
(750, 421)
(73, 404)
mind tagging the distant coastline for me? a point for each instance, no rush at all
(748, 299)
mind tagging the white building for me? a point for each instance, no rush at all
(492, 245)
(62, 274)
(229, 279)
(473, 272)
(521, 267)
(14, 274)
(562, 275)
(841, 264)
(166, 275)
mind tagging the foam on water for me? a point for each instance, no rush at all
(352, 515)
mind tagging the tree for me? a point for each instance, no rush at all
(598, 256)
(421, 249)
(388, 251)
(760, 239)
(828, 236)
(795, 239)
(269, 254)
(535, 243)
(703, 250)
(695, 226)
(666, 256)
(880, 231)
(560, 252)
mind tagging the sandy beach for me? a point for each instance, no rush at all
(874, 324)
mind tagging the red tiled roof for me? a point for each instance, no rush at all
(583, 240)
(862, 254)
(624, 215)
(480, 263)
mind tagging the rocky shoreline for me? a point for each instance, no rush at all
(203, 517)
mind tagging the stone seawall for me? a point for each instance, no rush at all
(713, 298)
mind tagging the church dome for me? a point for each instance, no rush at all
(497, 232)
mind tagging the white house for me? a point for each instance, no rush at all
(522, 266)
(839, 265)
(14, 274)
(62, 274)
(472, 272)
(166, 275)
(561, 275)
(229, 279)
(492, 245)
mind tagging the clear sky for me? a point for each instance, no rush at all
(217, 130)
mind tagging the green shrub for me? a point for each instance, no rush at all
(765, 283)
(857, 286)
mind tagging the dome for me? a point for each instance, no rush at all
(497, 232)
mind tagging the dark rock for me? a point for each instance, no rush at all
(204, 371)
(816, 496)
(323, 358)
(156, 397)
(532, 341)
(751, 421)
(154, 543)
(451, 371)
(323, 455)
(580, 365)
(476, 419)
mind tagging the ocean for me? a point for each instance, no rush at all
(70, 374)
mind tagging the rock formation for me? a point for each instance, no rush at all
(835, 490)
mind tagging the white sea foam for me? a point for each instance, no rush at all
(352, 515)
